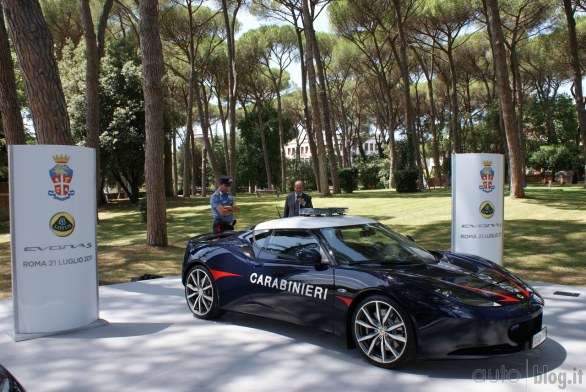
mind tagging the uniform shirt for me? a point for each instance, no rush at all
(221, 199)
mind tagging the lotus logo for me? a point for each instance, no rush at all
(487, 209)
(62, 224)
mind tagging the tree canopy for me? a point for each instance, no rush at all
(422, 79)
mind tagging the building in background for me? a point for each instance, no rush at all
(369, 145)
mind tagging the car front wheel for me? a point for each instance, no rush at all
(201, 294)
(383, 332)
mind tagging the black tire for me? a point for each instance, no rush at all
(201, 294)
(383, 332)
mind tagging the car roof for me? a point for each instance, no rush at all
(314, 222)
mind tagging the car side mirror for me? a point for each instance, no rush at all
(247, 251)
(410, 238)
(308, 255)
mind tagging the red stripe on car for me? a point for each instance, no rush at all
(347, 301)
(504, 298)
(525, 292)
(222, 274)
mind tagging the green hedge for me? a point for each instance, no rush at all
(406, 181)
(369, 174)
(348, 177)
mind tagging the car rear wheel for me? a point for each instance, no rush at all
(383, 332)
(201, 293)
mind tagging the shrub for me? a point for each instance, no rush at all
(556, 157)
(369, 174)
(348, 177)
(406, 181)
(300, 171)
(142, 208)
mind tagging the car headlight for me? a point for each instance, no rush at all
(465, 298)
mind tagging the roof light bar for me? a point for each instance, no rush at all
(323, 211)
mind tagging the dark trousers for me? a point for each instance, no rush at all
(221, 226)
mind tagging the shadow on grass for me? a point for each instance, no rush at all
(536, 250)
(546, 251)
(120, 264)
(436, 236)
(127, 228)
(564, 198)
(550, 251)
(391, 194)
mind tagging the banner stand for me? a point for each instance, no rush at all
(478, 205)
(53, 219)
(20, 337)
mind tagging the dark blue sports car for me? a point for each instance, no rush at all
(8, 383)
(358, 279)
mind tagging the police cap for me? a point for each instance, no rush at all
(225, 180)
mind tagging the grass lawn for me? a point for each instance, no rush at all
(544, 234)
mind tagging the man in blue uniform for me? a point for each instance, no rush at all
(223, 206)
(297, 200)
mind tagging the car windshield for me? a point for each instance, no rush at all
(373, 243)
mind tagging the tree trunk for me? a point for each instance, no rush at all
(152, 62)
(263, 140)
(102, 25)
(122, 184)
(34, 48)
(454, 120)
(204, 169)
(187, 160)
(306, 113)
(505, 98)
(175, 174)
(326, 114)
(223, 119)
(168, 166)
(392, 147)
(432, 120)
(193, 168)
(401, 56)
(518, 98)
(12, 124)
(281, 140)
(309, 56)
(92, 84)
(204, 124)
(189, 164)
(232, 86)
(578, 94)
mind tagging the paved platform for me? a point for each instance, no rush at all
(152, 343)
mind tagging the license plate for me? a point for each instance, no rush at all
(539, 337)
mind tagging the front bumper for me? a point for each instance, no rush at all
(482, 332)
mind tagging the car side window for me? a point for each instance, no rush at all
(260, 237)
(286, 243)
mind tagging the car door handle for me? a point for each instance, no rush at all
(258, 265)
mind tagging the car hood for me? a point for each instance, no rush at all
(460, 274)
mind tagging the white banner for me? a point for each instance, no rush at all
(478, 205)
(53, 238)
